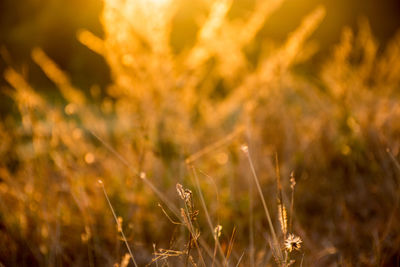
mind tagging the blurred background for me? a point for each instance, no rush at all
(53, 25)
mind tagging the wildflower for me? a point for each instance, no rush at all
(293, 242)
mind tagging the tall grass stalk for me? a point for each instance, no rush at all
(292, 186)
(203, 203)
(281, 207)
(141, 175)
(275, 246)
(161, 195)
(251, 222)
(117, 222)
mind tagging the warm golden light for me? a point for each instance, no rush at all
(159, 2)
(221, 132)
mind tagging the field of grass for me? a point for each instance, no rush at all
(223, 153)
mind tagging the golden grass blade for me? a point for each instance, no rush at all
(203, 203)
(275, 246)
(117, 221)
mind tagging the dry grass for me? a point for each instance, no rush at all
(173, 118)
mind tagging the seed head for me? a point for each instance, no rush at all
(184, 194)
(244, 148)
(292, 180)
(293, 242)
(218, 230)
(180, 190)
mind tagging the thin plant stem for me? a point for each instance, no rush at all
(280, 205)
(118, 223)
(292, 185)
(251, 222)
(245, 149)
(395, 161)
(203, 203)
(240, 259)
(154, 249)
(142, 175)
(280, 197)
(192, 236)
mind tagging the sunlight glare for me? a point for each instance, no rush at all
(159, 2)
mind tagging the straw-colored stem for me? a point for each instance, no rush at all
(191, 237)
(271, 226)
(291, 211)
(251, 222)
(142, 175)
(203, 203)
(118, 223)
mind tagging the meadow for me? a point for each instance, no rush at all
(222, 153)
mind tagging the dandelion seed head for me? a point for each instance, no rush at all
(293, 242)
